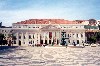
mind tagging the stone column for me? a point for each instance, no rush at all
(52, 38)
(43, 37)
(48, 37)
(75, 36)
(84, 36)
(59, 37)
(79, 34)
(35, 38)
(17, 36)
(53, 34)
(22, 40)
(27, 38)
(38, 38)
(56, 37)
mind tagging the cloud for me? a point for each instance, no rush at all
(9, 17)
(12, 11)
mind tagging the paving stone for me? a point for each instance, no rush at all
(41, 56)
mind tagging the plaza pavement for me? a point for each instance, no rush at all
(50, 56)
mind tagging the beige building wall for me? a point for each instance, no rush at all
(43, 31)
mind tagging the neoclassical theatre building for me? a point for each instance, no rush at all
(48, 31)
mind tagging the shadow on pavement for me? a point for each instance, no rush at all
(75, 47)
(5, 49)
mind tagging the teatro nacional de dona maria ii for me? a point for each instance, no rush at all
(49, 31)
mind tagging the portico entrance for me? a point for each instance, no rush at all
(50, 35)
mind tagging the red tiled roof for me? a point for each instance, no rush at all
(47, 21)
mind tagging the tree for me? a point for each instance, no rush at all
(63, 42)
(92, 21)
(12, 37)
(98, 36)
(93, 38)
(1, 38)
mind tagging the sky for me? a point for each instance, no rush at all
(12, 11)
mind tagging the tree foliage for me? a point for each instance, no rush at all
(1, 38)
(94, 38)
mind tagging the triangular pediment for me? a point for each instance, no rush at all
(50, 27)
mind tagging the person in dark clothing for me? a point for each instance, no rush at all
(9, 43)
(83, 44)
(4, 42)
(74, 43)
(19, 43)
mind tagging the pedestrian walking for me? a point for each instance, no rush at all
(9, 42)
(83, 44)
(74, 43)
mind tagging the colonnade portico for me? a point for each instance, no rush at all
(50, 33)
(55, 37)
(38, 36)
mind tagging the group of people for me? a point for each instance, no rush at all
(8, 42)
(82, 43)
(38, 45)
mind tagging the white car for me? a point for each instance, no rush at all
(93, 45)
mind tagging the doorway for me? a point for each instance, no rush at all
(19, 43)
(45, 41)
(49, 41)
(41, 41)
(77, 41)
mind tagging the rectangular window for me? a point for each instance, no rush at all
(33, 42)
(30, 37)
(77, 41)
(81, 35)
(50, 35)
(64, 27)
(19, 37)
(68, 35)
(33, 27)
(65, 35)
(49, 41)
(77, 35)
(24, 37)
(33, 36)
(68, 41)
(19, 26)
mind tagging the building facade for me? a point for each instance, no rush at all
(48, 31)
(51, 31)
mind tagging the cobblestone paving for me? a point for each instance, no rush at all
(40, 56)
